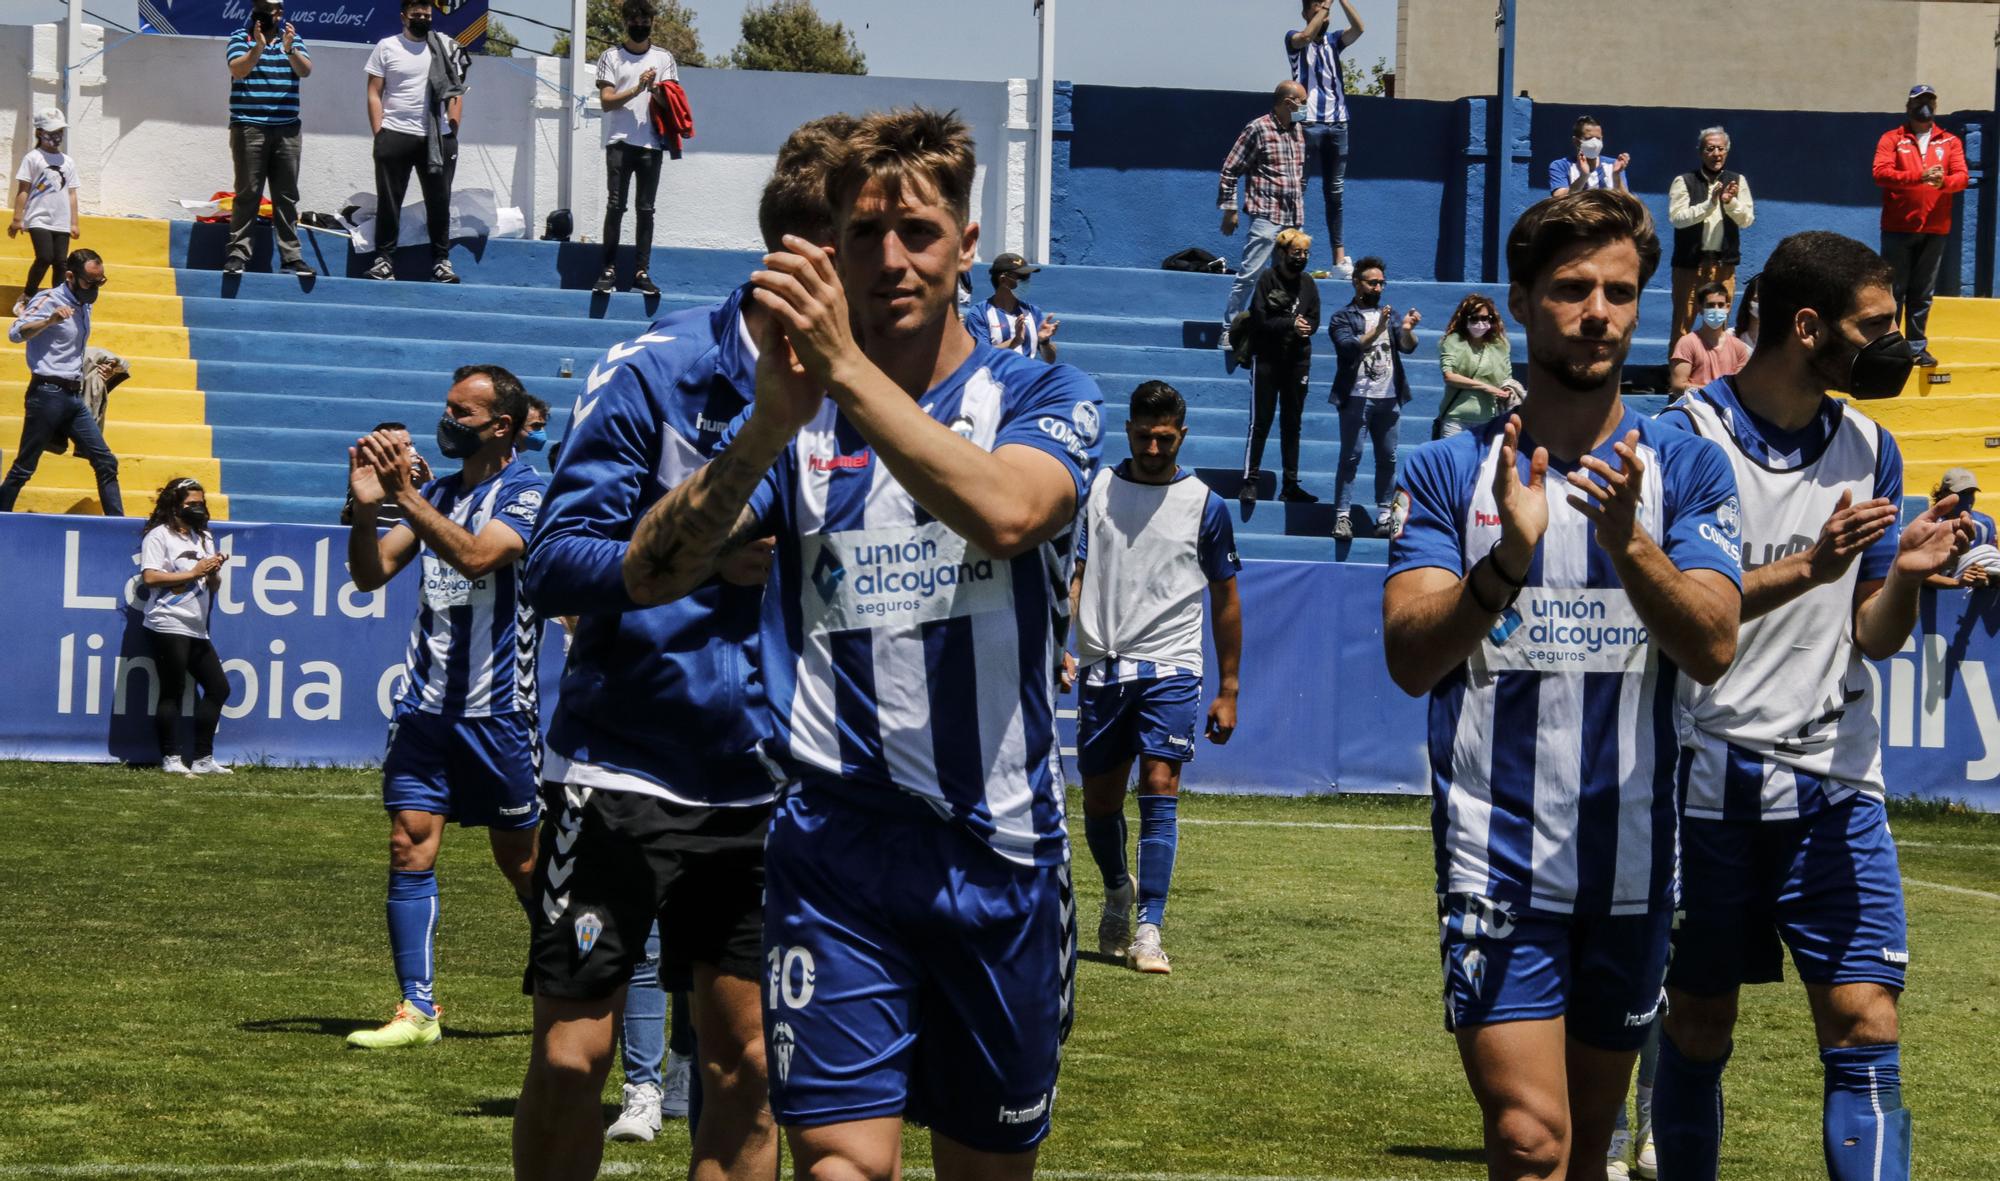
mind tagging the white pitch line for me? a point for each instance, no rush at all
(286, 1168)
(1901, 844)
(1334, 824)
(1093, 1175)
(1986, 894)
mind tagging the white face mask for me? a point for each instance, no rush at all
(1477, 329)
(1591, 148)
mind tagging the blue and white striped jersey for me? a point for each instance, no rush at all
(1791, 727)
(991, 324)
(1317, 68)
(897, 655)
(1149, 553)
(473, 645)
(1552, 748)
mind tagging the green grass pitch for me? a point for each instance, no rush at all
(183, 958)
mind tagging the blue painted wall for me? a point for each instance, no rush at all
(1135, 176)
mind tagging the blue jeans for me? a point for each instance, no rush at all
(1257, 248)
(643, 1025)
(51, 412)
(1913, 262)
(1326, 152)
(1380, 416)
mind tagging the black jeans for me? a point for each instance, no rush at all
(396, 154)
(622, 162)
(178, 658)
(264, 154)
(1913, 263)
(1280, 387)
(54, 412)
(51, 249)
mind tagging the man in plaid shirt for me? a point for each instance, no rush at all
(1270, 156)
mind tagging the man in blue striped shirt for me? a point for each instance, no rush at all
(1314, 52)
(267, 57)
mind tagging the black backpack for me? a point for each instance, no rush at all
(1194, 258)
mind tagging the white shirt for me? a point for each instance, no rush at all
(620, 69)
(176, 610)
(49, 176)
(405, 69)
(1377, 378)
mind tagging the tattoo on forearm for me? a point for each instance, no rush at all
(679, 539)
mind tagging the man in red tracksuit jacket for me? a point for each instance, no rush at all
(1918, 167)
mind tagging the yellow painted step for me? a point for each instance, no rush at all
(134, 435)
(123, 306)
(157, 372)
(1959, 380)
(145, 473)
(38, 497)
(147, 404)
(124, 280)
(1960, 316)
(1971, 414)
(133, 240)
(1947, 447)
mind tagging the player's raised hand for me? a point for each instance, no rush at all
(1611, 500)
(386, 452)
(1930, 542)
(799, 287)
(1847, 533)
(788, 397)
(1524, 507)
(362, 480)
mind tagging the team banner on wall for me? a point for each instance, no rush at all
(364, 21)
(314, 665)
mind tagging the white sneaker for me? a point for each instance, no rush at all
(1345, 268)
(674, 1096)
(1614, 1163)
(1617, 1170)
(640, 1120)
(172, 765)
(1145, 955)
(207, 765)
(1648, 1166)
(1114, 927)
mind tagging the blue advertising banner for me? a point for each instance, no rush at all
(314, 665)
(363, 21)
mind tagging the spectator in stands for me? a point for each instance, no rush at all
(45, 199)
(181, 570)
(535, 431)
(390, 512)
(626, 75)
(1315, 56)
(267, 58)
(1585, 166)
(1918, 166)
(1005, 320)
(1746, 315)
(55, 326)
(1711, 350)
(1709, 209)
(1979, 565)
(1270, 157)
(1478, 366)
(1369, 387)
(416, 97)
(1284, 314)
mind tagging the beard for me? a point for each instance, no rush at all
(1832, 365)
(1579, 376)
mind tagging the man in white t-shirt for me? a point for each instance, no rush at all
(626, 76)
(416, 96)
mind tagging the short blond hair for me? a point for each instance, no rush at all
(928, 149)
(1289, 238)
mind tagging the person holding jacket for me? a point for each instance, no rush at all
(1918, 167)
(1284, 308)
(1369, 388)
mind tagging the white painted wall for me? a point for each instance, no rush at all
(152, 127)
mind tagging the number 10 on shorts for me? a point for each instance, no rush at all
(791, 977)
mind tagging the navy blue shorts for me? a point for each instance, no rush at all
(912, 972)
(1118, 722)
(477, 771)
(1826, 885)
(1600, 973)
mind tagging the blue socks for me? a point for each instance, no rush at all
(413, 916)
(1867, 1126)
(1106, 837)
(1159, 838)
(1687, 1115)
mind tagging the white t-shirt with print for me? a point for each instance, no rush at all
(405, 69)
(50, 177)
(1377, 378)
(620, 69)
(176, 610)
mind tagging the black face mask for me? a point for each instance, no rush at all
(639, 33)
(1882, 369)
(456, 439)
(195, 516)
(420, 26)
(84, 295)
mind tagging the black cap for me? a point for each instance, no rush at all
(1011, 264)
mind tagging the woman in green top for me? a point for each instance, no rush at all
(1478, 367)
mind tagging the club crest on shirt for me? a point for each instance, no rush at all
(783, 1042)
(1087, 421)
(588, 928)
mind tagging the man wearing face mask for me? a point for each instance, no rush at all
(535, 432)
(626, 75)
(1783, 751)
(1918, 167)
(1709, 352)
(55, 326)
(465, 741)
(1005, 320)
(1270, 158)
(1586, 167)
(1284, 313)
(1709, 208)
(416, 97)
(1369, 389)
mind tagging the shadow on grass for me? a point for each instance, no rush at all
(1439, 1153)
(1098, 957)
(342, 1026)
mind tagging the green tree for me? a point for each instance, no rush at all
(673, 31)
(500, 40)
(1364, 80)
(791, 36)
